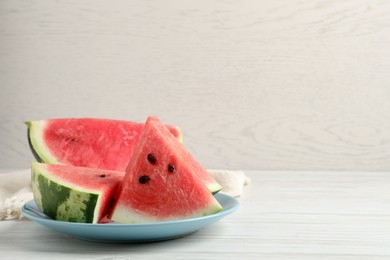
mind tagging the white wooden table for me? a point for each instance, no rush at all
(283, 215)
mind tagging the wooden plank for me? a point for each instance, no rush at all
(287, 84)
(283, 215)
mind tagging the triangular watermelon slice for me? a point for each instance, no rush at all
(163, 181)
(88, 142)
(74, 194)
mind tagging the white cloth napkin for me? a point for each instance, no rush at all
(15, 189)
(232, 182)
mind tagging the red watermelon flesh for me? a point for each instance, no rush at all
(88, 142)
(72, 193)
(163, 181)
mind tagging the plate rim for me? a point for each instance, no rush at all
(33, 215)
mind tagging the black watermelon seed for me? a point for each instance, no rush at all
(102, 175)
(144, 179)
(171, 168)
(152, 159)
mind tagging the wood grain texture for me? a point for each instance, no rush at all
(283, 215)
(272, 85)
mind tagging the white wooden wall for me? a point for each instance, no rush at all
(282, 84)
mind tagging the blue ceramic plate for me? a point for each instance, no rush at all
(131, 233)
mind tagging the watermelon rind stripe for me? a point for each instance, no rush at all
(40, 150)
(63, 200)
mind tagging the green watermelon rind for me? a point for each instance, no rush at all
(214, 188)
(35, 138)
(62, 200)
(123, 214)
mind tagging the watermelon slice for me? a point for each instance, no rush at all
(88, 142)
(163, 181)
(72, 193)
